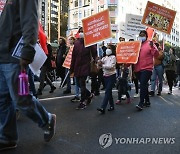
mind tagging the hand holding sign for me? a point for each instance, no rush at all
(151, 43)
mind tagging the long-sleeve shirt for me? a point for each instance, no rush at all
(109, 65)
(145, 60)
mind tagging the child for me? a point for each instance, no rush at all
(122, 86)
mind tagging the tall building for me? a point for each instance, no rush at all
(50, 18)
(79, 9)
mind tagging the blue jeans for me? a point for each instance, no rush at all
(9, 98)
(85, 93)
(31, 81)
(109, 83)
(76, 87)
(143, 77)
(158, 71)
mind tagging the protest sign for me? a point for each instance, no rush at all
(133, 24)
(67, 61)
(128, 52)
(39, 57)
(158, 17)
(96, 28)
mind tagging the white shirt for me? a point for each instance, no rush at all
(109, 65)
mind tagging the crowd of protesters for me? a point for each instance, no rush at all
(154, 66)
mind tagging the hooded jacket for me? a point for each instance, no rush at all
(19, 18)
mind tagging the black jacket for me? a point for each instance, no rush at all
(19, 18)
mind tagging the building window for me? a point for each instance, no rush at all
(76, 3)
(112, 8)
(86, 2)
(86, 13)
(113, 34)
(80, 14)
(80, 2)
(113, 20)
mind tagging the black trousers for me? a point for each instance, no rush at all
(170, 74)
(85, 93)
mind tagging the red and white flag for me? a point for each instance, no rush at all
(43, 39)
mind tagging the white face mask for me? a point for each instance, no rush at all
(81, 35)
(142, 38)
(108, 52)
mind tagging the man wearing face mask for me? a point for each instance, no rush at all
(80, 67)
(108, 65)
(144, 67)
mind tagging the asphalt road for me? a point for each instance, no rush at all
(131, 132)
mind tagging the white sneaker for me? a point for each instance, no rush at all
(123, 97)
(136, 95)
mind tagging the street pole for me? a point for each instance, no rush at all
(49, 24)
(59, 19)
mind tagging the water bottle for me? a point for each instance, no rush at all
(23, 88)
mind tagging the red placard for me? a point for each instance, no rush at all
(158, 17)
(128, 52)
(96, 28)
(67, 61)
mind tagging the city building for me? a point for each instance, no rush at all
(119, 9)
(50, 18)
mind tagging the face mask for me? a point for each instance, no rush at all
(142, 38)
(71, 42)
(81, 35)
(108, 52)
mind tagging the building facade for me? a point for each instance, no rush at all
(50, 18)
(79, 9)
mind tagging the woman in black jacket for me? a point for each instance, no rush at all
(60, 70)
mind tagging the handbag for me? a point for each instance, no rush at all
(93, 66)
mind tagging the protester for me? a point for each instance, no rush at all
(158, 72)
(77, 92)
(170, 67)
(118, 67)
(22, 20)
(80, 67)
(60, 70)
(135, 79)
(144, 67)
(44, 75)
(108, 64)
(68, 79)
(123, 86)
(102, 53)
